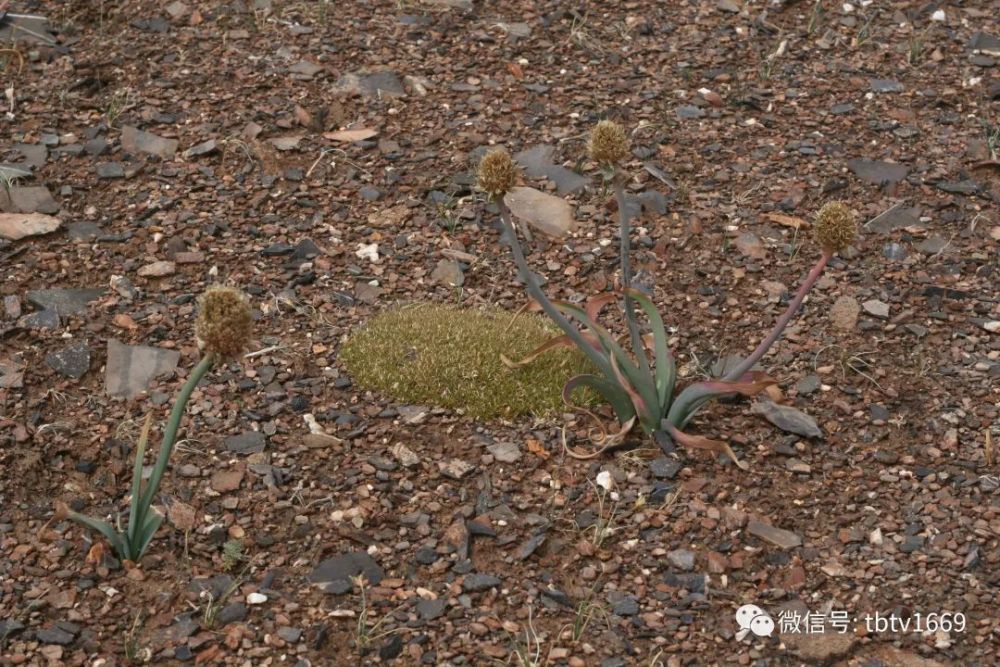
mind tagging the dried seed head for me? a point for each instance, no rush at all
(609, 144)
(225, 322)
(497, 173)
(835, 226)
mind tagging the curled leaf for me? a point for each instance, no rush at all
(701, 442)
(559, 341)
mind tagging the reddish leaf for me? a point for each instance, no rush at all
(701, 442)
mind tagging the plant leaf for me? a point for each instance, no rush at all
(592, 306)
(641, 382)
(641, 407)
(137, 513)
(701, 442)
(559, 341)
(666, 368)
(609, 391)
(694, 396)
(141, 542)
(104, 528)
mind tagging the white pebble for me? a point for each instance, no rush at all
(256, 598)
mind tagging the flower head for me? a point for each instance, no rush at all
(225, 322)
(497, 173)
(609, 143)
(836, 226)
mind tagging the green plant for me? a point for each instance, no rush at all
(223, 327)
(640, 390)
(587, 610)
(214, 605)
(232, 554)
(120, 102)
(365, 634)
(134, 652)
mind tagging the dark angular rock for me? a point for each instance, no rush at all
(664, 468)
(479, 582)
(341, 568)
(878, 172)
(251, 442)
(234, 612)
(72, 361)
(64, 301)
(430, 609)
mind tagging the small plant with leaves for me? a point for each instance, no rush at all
(223, 329)
(641, 390)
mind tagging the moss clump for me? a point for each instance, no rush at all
(449, 356)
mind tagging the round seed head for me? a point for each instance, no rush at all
(497, 173)
(609, 143)
(224, 322)
(836, 226)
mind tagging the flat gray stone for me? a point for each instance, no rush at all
(537, 163)
(479, 582)
(110, 170)
(204, 148)
(29, 199)
(384, 83)
(83, 231)
(341, 568)
(305, 69)
(136, 141)
(982, 41)
(779, 537)
(932, 245)
(73, 361)
(876, 308)
(430, 609)
(689, 112)
(35, 155)
(448, 272)
(130, 368)
(878, 172)
(787, 418)
(505, 452)
(64, 301)
(43, 319)
(251, 442)
(682, 559)
(886, 86)
(897, 217)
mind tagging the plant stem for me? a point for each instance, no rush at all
(137, 514)
(783, 321)
(538, 295)
(625, 242)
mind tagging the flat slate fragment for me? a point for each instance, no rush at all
(64, 301)
(130, 368)
(344, 566)
(779, 537)
(251, 442)
(878, 172)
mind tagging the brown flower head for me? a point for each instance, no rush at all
(225, 322)
(836, 226)
(609, 143)
(497, 173)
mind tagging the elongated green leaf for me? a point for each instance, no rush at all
(562, 340)
(104, 528)
(642, 409)
(698, 394)
(609, 391)
(666, 368)
(641, 382)
(141, 541)
(137, 512)
(701, 442)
